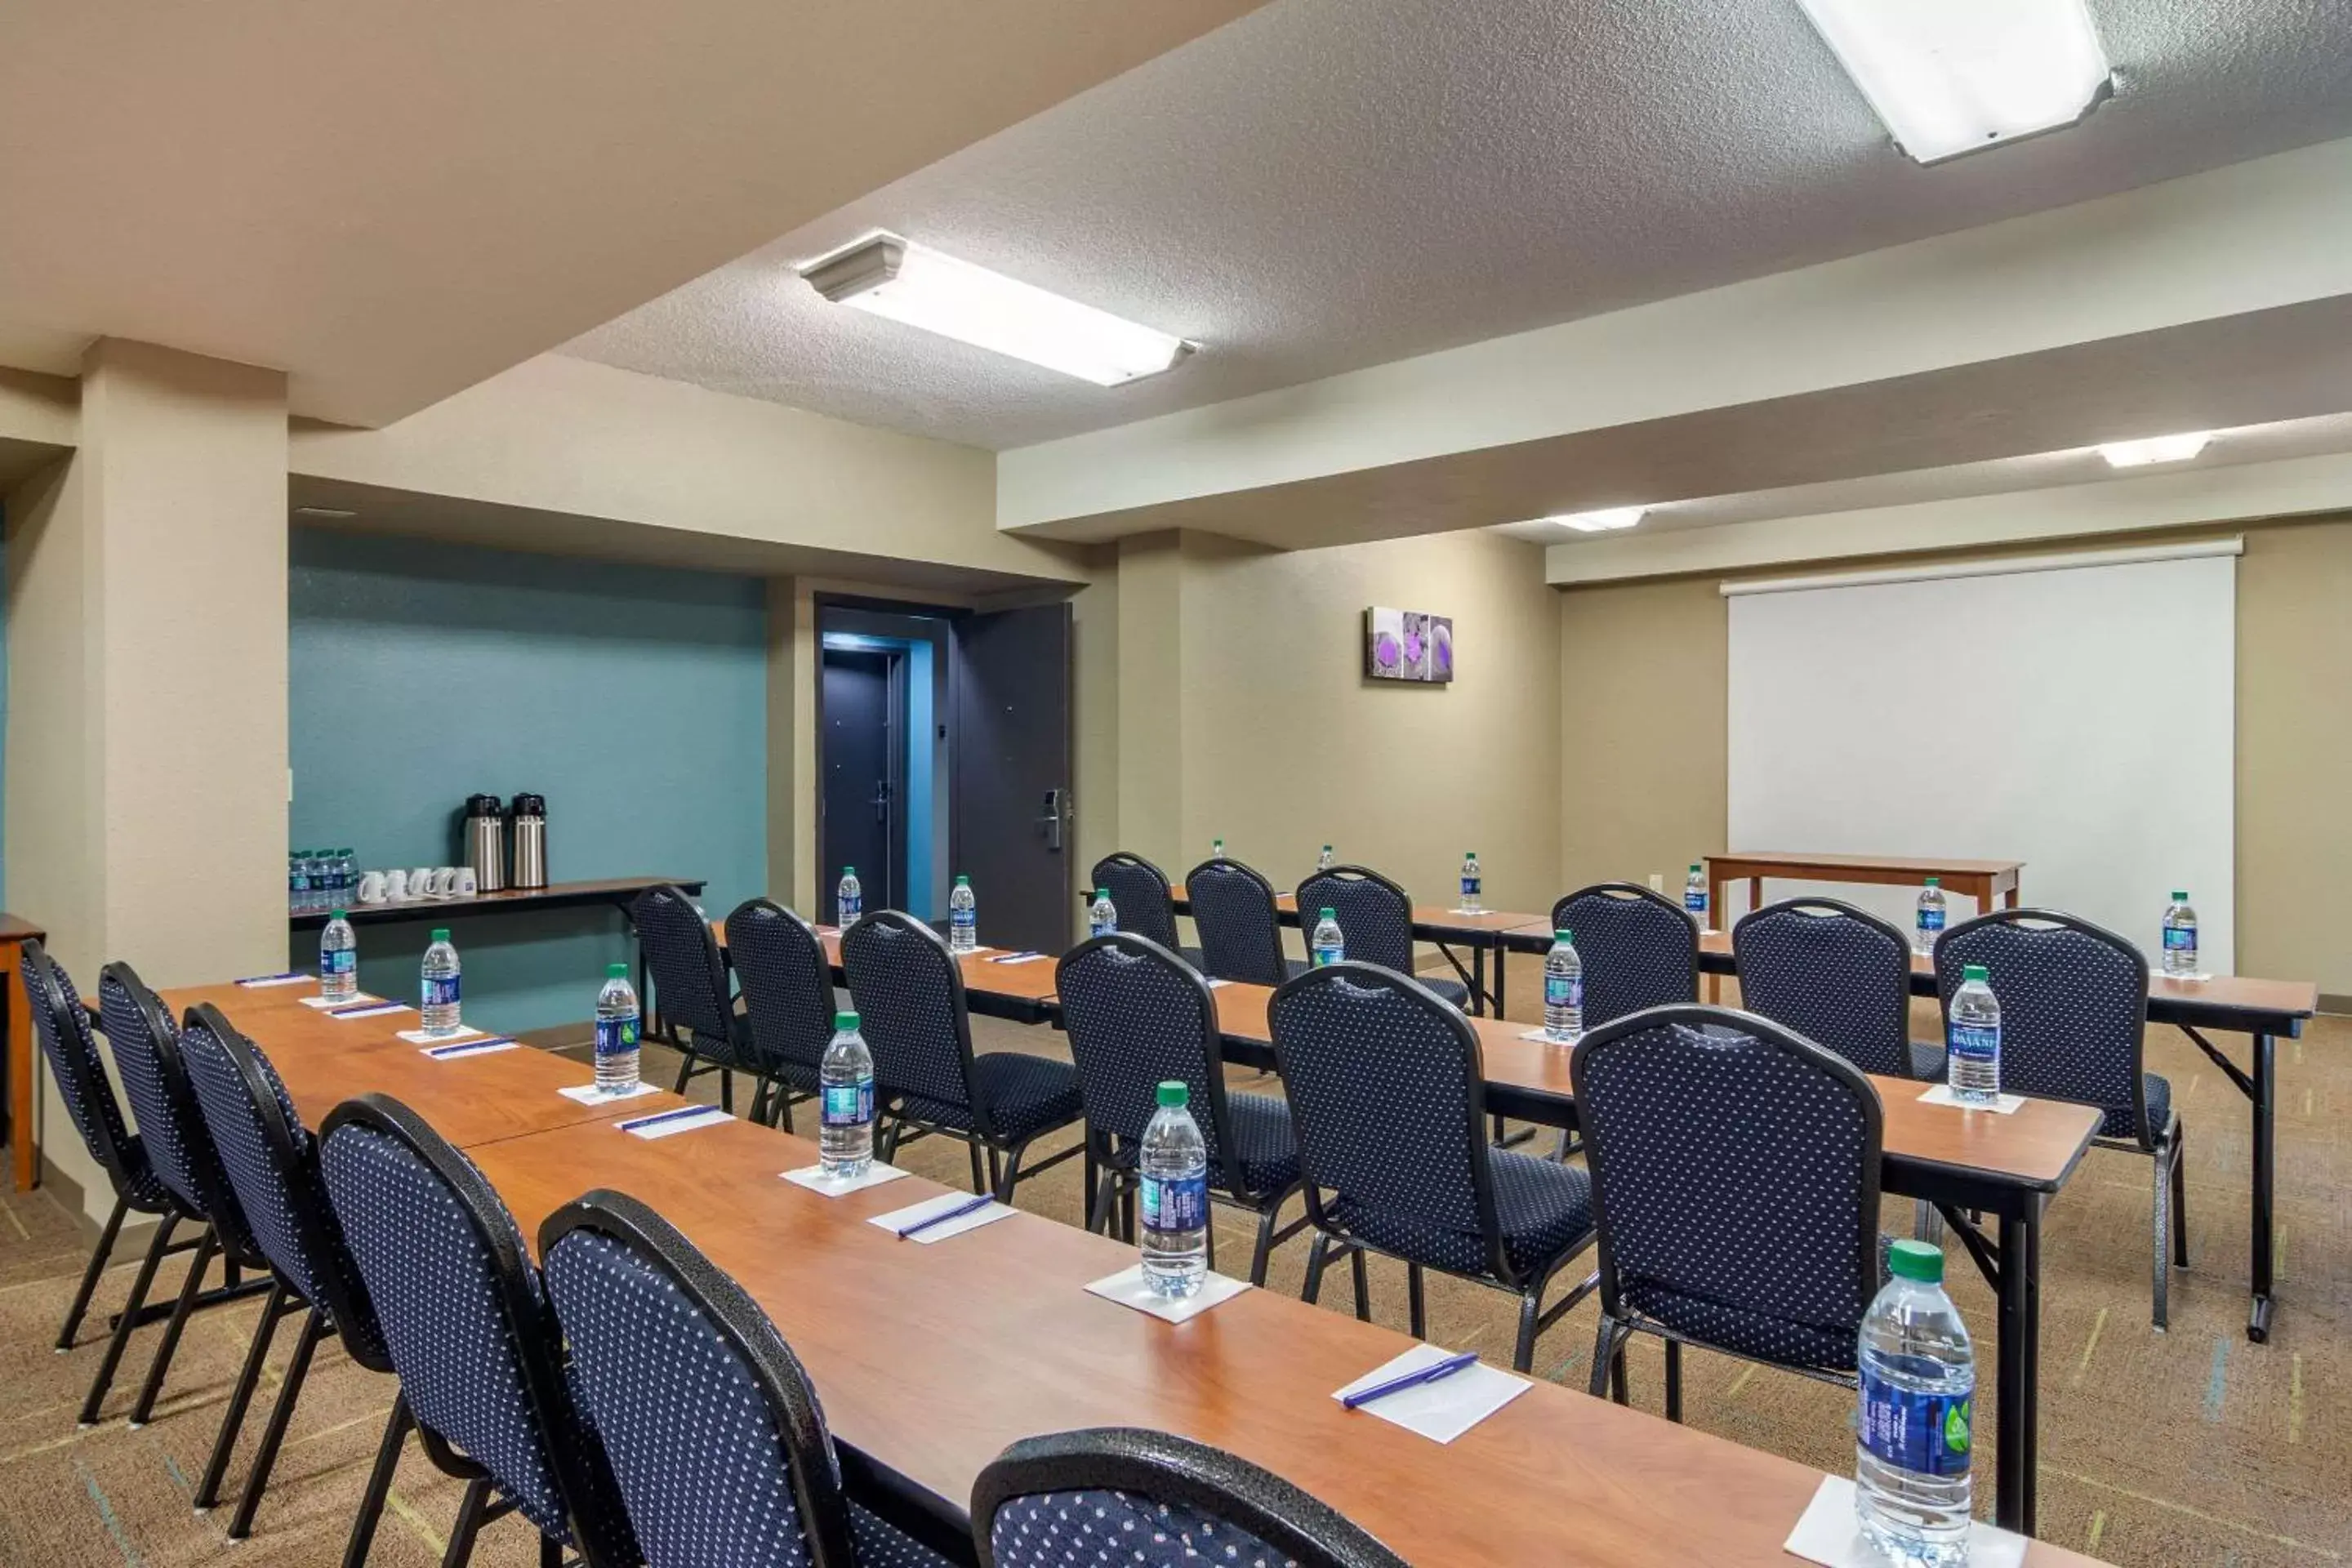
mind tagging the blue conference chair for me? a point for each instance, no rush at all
(466, 1319)
(690, 995)
(1639, 949)
(1735, 1179)
(1138, 1016)
(1152, 1499)
(1375, 917)
(1140, 891)
(1838, 975)
(1234, 914)
(787, 986)
(272, 1164)
(2074, 1025)
(908, 992)
(1388, 1092)
(712, 1425)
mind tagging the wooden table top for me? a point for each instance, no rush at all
(15, 928)
(932, 1359)
(1925, 864)
(1426, 918)
(1030, 980)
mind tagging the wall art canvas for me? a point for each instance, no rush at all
(1408, 644)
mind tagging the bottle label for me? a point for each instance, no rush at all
(2180, 939)
(849, 1104)
(1694, 901)
(963, 919)
(1931, 920)
(1564, 991)
(1978, 1043)
(1469, 886)
(1925, 1434)
(850, 909)
(616, 1037)
(1175, 1203)
(440, 991)
(343, 962)
(1101, 926)
(1328, 953)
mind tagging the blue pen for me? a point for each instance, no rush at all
(1017, 957)
(439, 1053)
(264, 979)
(353, 1009)
(974, 1206)
(1413, 1379)
(655, 1120)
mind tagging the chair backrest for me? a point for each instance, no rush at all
(1640, 950)
(1388, 1098)
(171, 1125)
(466, 1318)
(908, 993)
(1735, 1181)
(1152, 1499)
(61, 1022)
(713, 1430)
(1138, 1016)
(1375, 915)
(2073, 1009)
(787, 980)
(1836, 975)
(1139, 891)
(272, 1164)
(1232, 911)
(689, 974)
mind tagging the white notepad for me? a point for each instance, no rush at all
(1826, 1533)
(670, 1123)
(589, 1094)
(1440, 1411)
(897, 1220)
(813, 1178)
(2002, 1105)
(1127, 1288)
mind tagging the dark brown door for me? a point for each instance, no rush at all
(1012, 821)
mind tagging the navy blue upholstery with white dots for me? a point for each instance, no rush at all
(1836, 975)
(1736, 1171)
(1375, 919)
(1102, 1528)
(155, 1082)
(1139, 892)
(1137, 1016)
(1232, 911)
(2074, 1012)
(62, 1024)
(1639, 950)
(689, 977)
(787, 986)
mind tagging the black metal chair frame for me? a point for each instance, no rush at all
(2164, 1145)
(1268, 967)
(1619, 1323)
(782, 1096)
(1112, 1181)
(1162, 1468)
(658, 1026)
(1330, 1237)
(898, 1125)
(1120, 861)
(573, 1455)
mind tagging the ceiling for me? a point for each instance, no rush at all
(391, 202)
(1448, 171)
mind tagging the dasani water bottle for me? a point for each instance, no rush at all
(1563, 990)
(1972, 1039)
(846, 1103)
(1928, 923)
(1328, 945)
(1102, 915)
(1694, 895)
(1173, 1164)
(848, 899)
(1471, 882)
(2180, 937)
(440, 1007)
(963, 918)
(1912, 1447)
(618, 1029)
(339, 958)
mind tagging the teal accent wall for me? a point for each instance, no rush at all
(634, 699)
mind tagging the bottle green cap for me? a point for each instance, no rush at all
(849, 870)
(963, 881)
(1173, 1093)
(2179, 898)
(339, 914)
(440, 933)
(843, 1021)
(1562, 934)
(1911, 1259)
(616, 972)
(1695, 865)
(1327, 914)
(1327, 848)
(1973, 972)
(1102, 892)
(1934, 882)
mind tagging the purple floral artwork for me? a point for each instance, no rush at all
(1411, 645)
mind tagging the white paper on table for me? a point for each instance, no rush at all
(352, 1001)
(1128, 1288)
(262, 981)
(458, 1050)
(1827, 1534)
(813, 1178)
(897, 1220)
(670, 1123)
(589, 1094)
(378, 1011)
(427, 1037)
(1541, 1038)
(1471, 913)
(2002, 1105)
(1440, 1411)
(1212, 981)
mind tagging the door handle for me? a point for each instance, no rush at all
(1052, 821)
(882, 801)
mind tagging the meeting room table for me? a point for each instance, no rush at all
(1453, 931)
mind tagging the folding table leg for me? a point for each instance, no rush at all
(2265, 1111)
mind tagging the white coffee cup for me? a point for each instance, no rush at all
(445, 882)
(395, 887)
(420, 882)
(371, 887)
(469, 883)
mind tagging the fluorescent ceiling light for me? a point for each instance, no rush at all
(2155, 449)
(889, 277)
(1951, 76)
(1601, 522)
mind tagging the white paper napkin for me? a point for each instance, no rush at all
(426, 1037)
(1827, 1534)
(2002, 1105)
(1440, 1411)
(1541, 1038)
(458, 1050)
(323, 1002)
(378, 1011)
(897, 1220)
(669, 1123)
(1127, 1288)
(589, 1094)
(260, 981)
(813, 1178)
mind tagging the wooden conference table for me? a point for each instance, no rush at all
(1984, 880)
(932, 1359)
(1476, 934)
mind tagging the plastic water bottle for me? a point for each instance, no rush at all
(1102, 915)
(617, 1032)
(846, 1103)
(1471, 882)
(848, 899)
(1928, 923)
(1174, 1167)
(297, 882)
(1328, 945)
(1695, 894)
(963, 918)
(1912, 1445)
(339, 960)
(321, 869)
(441, 985)
(2180, 937)
(1323, 862)
(1972, 1039)
(1217, 848)
(1563, 991)
(347, 877)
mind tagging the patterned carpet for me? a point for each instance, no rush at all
(2194, 1447)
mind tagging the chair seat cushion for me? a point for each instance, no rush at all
(799, 1075)
(881, 1544)
(1545, 1210)
(1026, 1095)
(1927, 1061)
(1454, 991)
(1263, 1138)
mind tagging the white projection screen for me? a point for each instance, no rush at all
(2080, 717)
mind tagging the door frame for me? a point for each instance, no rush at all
(839, 611)
(890, 894)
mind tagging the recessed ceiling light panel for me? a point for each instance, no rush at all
(2155, 449)
(1949, 76)
(1608, 520)
(886, 276)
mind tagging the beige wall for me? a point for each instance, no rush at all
(1644, 775)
